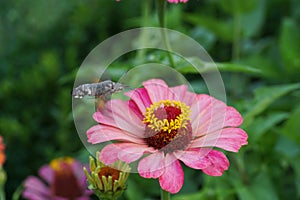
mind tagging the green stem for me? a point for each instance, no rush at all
(16, 195)
(2, 183)
(2, 193)
(236, 34)
(161, 6)
(165, 195)
(145, 22)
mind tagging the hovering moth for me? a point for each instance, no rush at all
(104, 89)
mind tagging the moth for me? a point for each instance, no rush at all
(104, 89)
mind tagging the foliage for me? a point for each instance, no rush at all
(255, 45)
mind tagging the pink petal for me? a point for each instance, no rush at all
(210, 114)
(157, 90)
(77, 169)
(46, 173)
(140, 97)
(230, 139)
(36, 186)
(194, 158)
(181, 94)
(109, 154)
(218, 163)
(175, 1)
(118, 114)
(28, 194)
(152, 166)
(133, 106)
(132, 152)
(102, 133)
(173, 177)
(127, 152)
(58, 198)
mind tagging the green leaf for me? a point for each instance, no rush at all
(264, 123)
(290, 44)
(222, 29)
(264, 97)
(236, 6)
(133, 191)
(261, 187)
(203, 194)
(203, 67)
(295, 162)
(292, 127)
(252, 21)
(287, 147)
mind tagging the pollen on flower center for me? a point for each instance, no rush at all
(167, 115)
(168, 121)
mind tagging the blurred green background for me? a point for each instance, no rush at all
(255, 43)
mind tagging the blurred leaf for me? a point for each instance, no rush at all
(295, 161)
(235, 67)
(252, 21)
(134, 191)
(236, 6)
(251, 14)
(265, 64)
(264, 123)
(260, 188)
(287, 147)
(203, 67)
(203, 194)
(140, 188)
(290, 44)
(222, 29)
(292, 127)
(264, 96)
(205, 37)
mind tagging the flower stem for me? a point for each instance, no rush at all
(144, 37)
(161, 6)
(2, 194)
(2, 183)
(16, 195)
(164, 195)
(236, 33)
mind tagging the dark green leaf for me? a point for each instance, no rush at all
(252, 21)
(195, 65)
(264, 123)
(260, 188)
(222, 29)
(264, 97)
(292, 127)
(287, 147)
(290, 44)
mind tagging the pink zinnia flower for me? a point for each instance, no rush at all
(177, 1)
(172, 1)
(168, 125)
(64, 178)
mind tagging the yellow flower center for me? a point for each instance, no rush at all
(168, 121)
(57, 164)
(175, 115)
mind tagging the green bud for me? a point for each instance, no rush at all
(107, 182)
